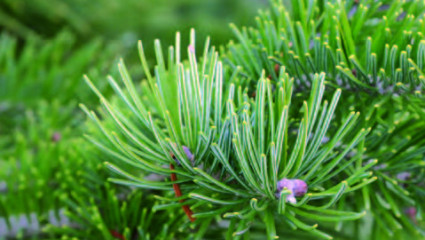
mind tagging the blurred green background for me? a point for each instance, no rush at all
(46, 46)
(126, 21)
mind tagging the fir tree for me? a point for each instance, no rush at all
(309, 124)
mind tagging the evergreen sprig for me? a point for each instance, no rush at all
(373, 46)
(241, 146)
(372, 51)
(263, 138)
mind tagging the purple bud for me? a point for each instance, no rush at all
(297, 187)
(411, 212)
(311, 44)
(352, 11)
(188, 153)
(56, 137)
(401, 16)
(325, 139)
(403, 176)
(384, 7)
(380, 166)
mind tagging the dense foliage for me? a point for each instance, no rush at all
(307, 125)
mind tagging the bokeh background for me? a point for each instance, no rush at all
(125, 21)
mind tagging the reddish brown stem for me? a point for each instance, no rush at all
(276, 69)
(117, 235)
(178, 193)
